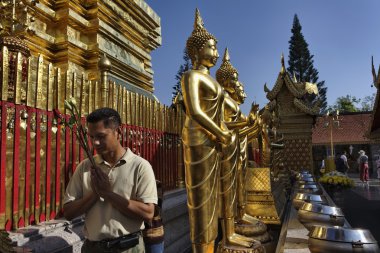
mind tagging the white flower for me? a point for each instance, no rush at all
(72, 101)
(68, 105)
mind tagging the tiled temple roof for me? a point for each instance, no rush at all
(353, 129)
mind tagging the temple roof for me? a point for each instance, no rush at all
(297, 89)
(353, 129)
(283, 79)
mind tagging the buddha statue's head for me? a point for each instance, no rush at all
(227, 76)
(201, 45)
(240, 93)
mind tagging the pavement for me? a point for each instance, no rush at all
(361, 205)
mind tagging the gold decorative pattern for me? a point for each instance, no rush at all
(258, 179)
(261, 203)
(235, 249)
(298, 154)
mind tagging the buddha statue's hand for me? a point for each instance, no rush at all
(226, 137)
(251, 119)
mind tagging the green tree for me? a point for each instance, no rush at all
(367, 102)
(182, 69)
(346, 103)
(301, 63)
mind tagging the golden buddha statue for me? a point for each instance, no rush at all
(202, 135)
(230, 161)
(227, 76)
(246, 224)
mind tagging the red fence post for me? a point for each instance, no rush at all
(57, 168)
(28, 215)
(37, 168)
(67, 152)
(3, 161)
(48, 166)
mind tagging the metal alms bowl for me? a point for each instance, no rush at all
(304, 176)
(300, 198)
(308, 188)
(306, 180)
(336, 239)
(319, 214)
(302, 183)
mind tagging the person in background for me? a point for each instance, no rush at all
(378, 167)
(345, 163)
(154, 229)
(363, 167)
(323, 167)
(116, 195)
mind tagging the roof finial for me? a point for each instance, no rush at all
(282, 64)
(376, 77)
(198, 22)
(373, 71)
(266, 88)
(226, 55)
(295, 77)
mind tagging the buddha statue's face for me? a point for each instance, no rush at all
(239, 89)
(230, 83)
(208, 55)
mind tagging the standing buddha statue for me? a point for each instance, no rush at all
(227, 76)
(203, 134)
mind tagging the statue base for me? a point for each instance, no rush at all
(265, 199)
(253, 231)
(255, 248)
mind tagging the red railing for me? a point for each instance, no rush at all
(38, 156)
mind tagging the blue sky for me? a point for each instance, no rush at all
(342, 35)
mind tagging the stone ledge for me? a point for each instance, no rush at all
(51, 236)
(174, 205)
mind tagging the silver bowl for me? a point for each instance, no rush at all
(304, 176)
(304, 183)
(308, 188)
(336, 239)
(300, 198)
(306, 180)
(318, 214)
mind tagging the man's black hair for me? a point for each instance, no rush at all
(109, 116)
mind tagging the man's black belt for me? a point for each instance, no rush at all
(122, 242)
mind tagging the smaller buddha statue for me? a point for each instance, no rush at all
(227, 76)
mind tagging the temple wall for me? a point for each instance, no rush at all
(73, 35)
(297, 129)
